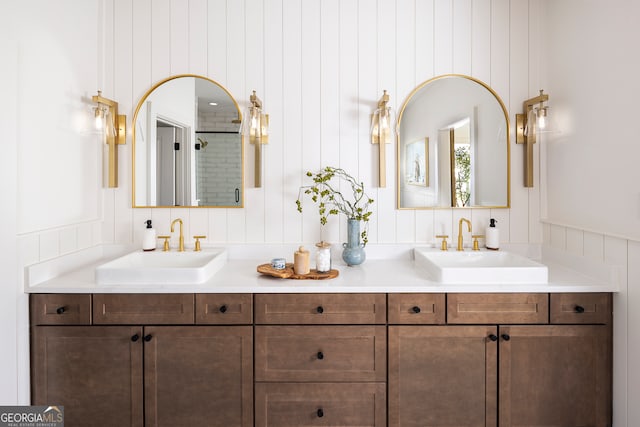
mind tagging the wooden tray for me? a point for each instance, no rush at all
(288, 273)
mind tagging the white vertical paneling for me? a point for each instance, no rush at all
(122, 93)
(330, 103)
(262, 52)
(558, 237)
(594, 246)
(424, 43)
(320, 66)
(367, 92)
(217, 42)
(198, 35)
(160, 40)
(179, 33)
(274, 206)
(405, 82)
(443, 224)
(481, 40)
(107, 83)
(311, 111)
(462, 30)
(443, 34)
(68, 240)
(236, 63)
(141, 40)
(517, 22)
(387, 46)
(480, 222)
(217, 70)
(575, 241)
(293, 97)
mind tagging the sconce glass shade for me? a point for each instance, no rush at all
(99, 113)
(539, 120)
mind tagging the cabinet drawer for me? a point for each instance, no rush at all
(320, 308)
(592, 308)
(156, 309)
(498, 308)
(322, 404)
(60, 309)
(416, 309)
(224, 309)
(320, 353)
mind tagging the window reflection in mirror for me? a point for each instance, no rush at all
(187, 146)
(465, 126)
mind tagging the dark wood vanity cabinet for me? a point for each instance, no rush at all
(279, 360)
(531, 373)
(146, 374)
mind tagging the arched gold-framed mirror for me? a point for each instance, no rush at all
(453, 146)
(188, 148)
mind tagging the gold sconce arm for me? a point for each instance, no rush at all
(115, 135)
(525, 135)
(381, 130)
(258, 133)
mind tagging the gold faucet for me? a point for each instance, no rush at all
(460, 231)
(181, 244)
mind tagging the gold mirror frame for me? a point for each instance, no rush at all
(399, 146)
(140, 105)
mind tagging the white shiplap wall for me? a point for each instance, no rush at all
(320, 67)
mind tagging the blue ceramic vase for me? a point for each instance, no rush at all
(353, 252)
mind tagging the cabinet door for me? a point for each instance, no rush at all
(555, 376)
(94, 372)
(442, 376)
(198, 375)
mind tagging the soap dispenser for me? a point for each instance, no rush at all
(149, 238)
(492, 236)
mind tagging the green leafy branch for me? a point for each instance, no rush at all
(331, 201)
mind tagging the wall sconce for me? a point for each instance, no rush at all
(529, 124)
(258, 130)
(381, 132)
(114, 130)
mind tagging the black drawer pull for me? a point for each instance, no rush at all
(223, 309)
(416, 309)
(148, 337)
(505, 337)
(320, 413)
(319, 309)
(493, 337)
(135, 338)
(60, 310)
(320, 355)
(579, 309)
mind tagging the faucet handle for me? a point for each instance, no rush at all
(165, 245)
(444, 238)
(198, 248)
(475, 237)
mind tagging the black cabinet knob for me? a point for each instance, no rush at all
(148, 337)
(319, 309)
(223, 309)
(416, 309)
(320, 355)
(493, 337)
(505, 337)
(60, 310)
(579, 309)
(320, 413)
(135, 337)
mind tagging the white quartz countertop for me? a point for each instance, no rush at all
(397, 272)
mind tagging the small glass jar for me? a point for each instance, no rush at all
(323, 257)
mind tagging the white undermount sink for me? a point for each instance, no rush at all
(162, 268)
(480, 267)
